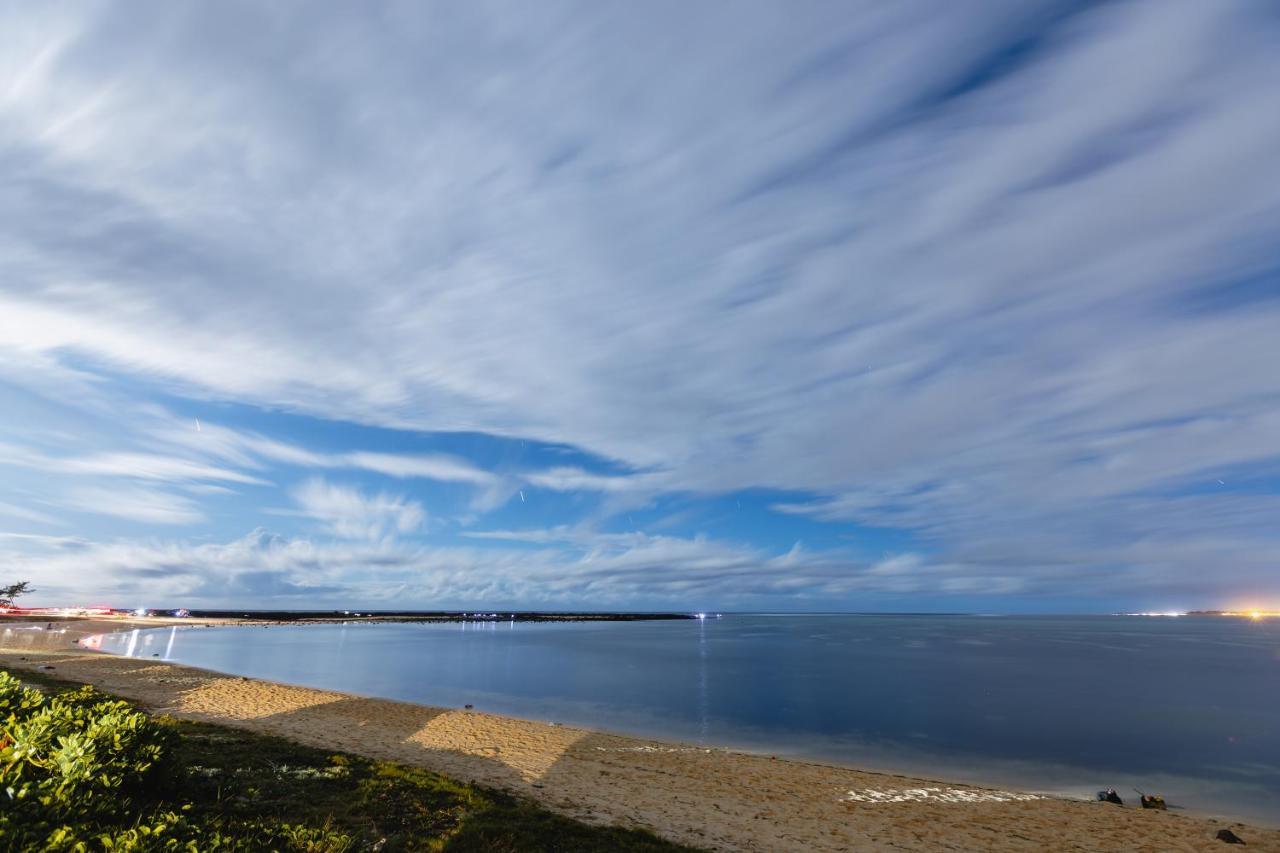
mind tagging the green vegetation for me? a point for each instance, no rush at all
(82, 771)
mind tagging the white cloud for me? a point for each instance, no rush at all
(254, 450)
(25, 513)
(430, 467)
(635, 571)
(352, 514)
(136, 504)
(142, 466)
(631, 571)
(149, 467)
(570, 479)
(880, 262)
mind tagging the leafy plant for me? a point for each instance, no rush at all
(81, 772)
(74, 757)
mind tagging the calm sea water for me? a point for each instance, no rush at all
(1188, 707)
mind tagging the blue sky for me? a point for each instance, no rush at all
(784, 306)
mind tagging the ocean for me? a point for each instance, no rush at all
(1188, 707)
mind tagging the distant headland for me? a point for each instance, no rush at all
(1237, 614)
(1240, 614)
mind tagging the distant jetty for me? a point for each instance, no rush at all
(431, 616)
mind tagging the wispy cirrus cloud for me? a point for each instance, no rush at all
(352, 514)
(150, 506)
(431, 467)
(1002, 281)
(23, 513)
(140, 466)
(254, 450)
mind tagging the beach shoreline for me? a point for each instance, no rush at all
(705, 796)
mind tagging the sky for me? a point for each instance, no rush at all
(720, 306)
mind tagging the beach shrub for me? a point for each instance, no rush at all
(170, 832)
(15, 699)
(164, 831)
(73, 765)
(77, 757)
(81, 772)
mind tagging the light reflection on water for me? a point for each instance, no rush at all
(1188, 706)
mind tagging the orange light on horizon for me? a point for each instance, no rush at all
(1254, 614)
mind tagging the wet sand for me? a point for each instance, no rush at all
(715, 799)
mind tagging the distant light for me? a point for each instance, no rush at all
(1253, 613)
(702, 616)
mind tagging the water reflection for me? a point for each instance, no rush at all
(704, 701)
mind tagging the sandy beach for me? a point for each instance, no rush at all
(715, 799)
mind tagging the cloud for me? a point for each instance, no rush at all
(254, 450)
(351, 514)
(142, 466)
(569, 479)
(1004, 281)
(613, 571)
(167, 570)
(562, 571)
(432, 467)
(493, 489)
(148, 467)
(136, 504)
(25, 513)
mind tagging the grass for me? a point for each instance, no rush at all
(235, 782)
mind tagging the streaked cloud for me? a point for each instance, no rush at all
(436, 467)
(150, 506)
(141, 466)
(1000, 282)
(637, 571)
(13, 511)
(351, 514)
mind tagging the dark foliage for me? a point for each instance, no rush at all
(12, 591)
